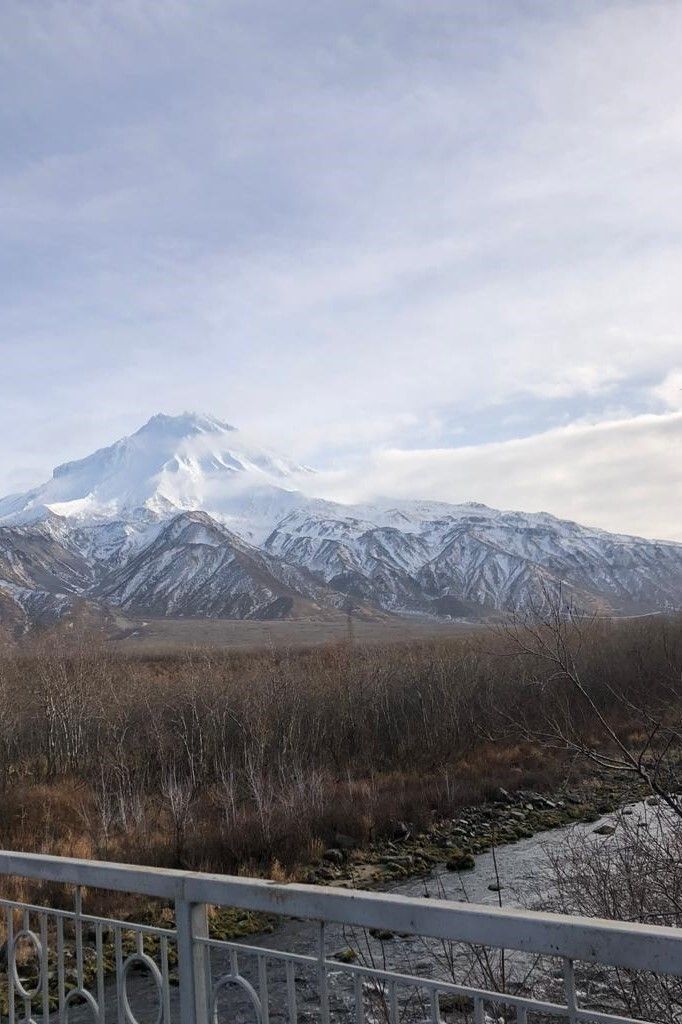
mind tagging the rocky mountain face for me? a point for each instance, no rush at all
(196, 567)
(453, 560)
(186, 518)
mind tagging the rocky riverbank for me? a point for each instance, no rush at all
(455, 842)
(451, 844)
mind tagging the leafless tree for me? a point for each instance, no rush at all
(636, 731)
(634, 876)
(178, 793)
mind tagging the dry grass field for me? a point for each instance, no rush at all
(158, 636)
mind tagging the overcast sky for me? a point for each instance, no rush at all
(431, 246)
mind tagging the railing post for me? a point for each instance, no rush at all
(569, 985)
(191, 920)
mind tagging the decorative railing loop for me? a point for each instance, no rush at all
(28, 935)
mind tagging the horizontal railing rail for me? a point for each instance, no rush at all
(623, 945)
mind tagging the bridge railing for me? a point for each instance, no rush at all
(404, 958)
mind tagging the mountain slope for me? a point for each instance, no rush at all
(195, 567)
(40, 575)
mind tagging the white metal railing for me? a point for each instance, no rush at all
(84, 967)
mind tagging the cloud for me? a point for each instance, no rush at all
(669, 391)
(623, 475)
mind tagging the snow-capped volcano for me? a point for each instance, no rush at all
(187, 517)
(171, 464)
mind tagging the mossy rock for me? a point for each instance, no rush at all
(574, 814)
(345, 956)
(464, 862)
(450, 1003)
(229, 923)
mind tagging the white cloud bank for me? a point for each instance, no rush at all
(623, 475)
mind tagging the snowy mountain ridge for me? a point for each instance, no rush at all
(188, 517)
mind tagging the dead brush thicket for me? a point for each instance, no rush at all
(234, 761)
